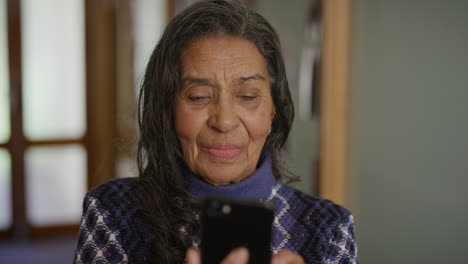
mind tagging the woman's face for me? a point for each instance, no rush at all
(224, 110)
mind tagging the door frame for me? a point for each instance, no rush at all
(334, 103)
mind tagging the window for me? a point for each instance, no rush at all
(43, 124)
(5, 159)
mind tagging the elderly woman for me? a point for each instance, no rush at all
(215, 111)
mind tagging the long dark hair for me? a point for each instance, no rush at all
(166, 202)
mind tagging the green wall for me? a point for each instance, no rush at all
(409, 140)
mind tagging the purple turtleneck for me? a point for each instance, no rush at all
(257, 186)
(114, 229)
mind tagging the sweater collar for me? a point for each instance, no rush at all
(257, 186)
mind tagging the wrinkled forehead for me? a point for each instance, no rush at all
(232, 58)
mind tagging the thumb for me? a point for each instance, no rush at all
(193, 256)
(237, 256)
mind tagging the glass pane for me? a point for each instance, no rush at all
(5, 189)
(53, 68)
(4, 79)
(55, 184)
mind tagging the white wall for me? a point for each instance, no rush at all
(149, 19)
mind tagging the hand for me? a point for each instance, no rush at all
(287, 257)
(237, 256)
(241, 255)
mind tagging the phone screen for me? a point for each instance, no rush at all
(227, 224)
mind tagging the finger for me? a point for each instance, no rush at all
(193, 256)
(237, 256)
(287, 257)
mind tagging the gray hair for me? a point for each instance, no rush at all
(166, 202)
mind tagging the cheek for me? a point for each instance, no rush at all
(187, 128)
(258, 125)
(188, 125)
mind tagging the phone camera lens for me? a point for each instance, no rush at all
(226, 209)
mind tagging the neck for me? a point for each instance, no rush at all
(257, 186)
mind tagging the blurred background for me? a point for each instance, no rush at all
(380, 90)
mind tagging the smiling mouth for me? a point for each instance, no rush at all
(222, 151)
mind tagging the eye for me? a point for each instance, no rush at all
(198, 98)
(249, 97)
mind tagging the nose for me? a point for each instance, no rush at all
(224, 117)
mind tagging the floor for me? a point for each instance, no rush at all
(57, 250)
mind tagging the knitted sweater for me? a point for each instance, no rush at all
(113, 229)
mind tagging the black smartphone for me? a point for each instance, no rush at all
(228, 223)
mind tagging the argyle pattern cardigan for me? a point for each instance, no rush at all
(113, 229)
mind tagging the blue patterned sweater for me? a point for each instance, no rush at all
(113, 229)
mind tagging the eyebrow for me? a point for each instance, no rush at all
(257, 76)
(189, 80)
(195, 80)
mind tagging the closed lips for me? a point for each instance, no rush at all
(222, 151)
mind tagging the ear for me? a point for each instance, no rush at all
(273, 113)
